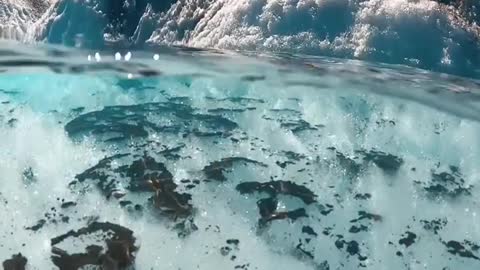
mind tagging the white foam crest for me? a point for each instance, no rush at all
(398, 31)
(17, 17)
(420, 33)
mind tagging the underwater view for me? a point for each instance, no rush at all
(239, 134)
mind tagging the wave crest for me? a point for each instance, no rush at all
(422, 33)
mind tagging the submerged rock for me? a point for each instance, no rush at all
(360, 228)
(267, 209)
(352, 247)
(364, 222)
(268, 206)
(143, 171)
(279, 215)
(352, 168)
(108, 245)
(408, 239)
(445, 185)
(364, 196)
(465, 249)
(143, 175)
(297, 126)
(354, 165)
(37, 226)
(17, 262)
(387, 162)
(309, 230)
(119, 123)
(435, 225)
(102, 174)
(216, 169)
(363, 215)
(169, 201)
(274, 188)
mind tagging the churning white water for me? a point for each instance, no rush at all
(268, 163)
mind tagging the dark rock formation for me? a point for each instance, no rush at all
(114, 249)
(118, 123)
(215, 170)
(387, 162)
(142, 175)
(447, 185)
(465, 249)
(435, 225)
(274, 188)
(17, 262)
(408, 239)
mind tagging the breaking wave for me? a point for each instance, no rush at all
(422, 33)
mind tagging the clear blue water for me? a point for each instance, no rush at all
(363, 165)
(144, 145)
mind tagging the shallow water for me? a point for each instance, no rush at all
(257, 161)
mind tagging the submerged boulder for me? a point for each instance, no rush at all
(17, 262)
(108, 245)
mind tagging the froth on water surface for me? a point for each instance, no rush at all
(171, 158)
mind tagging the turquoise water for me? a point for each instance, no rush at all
(204, 159)
(239, 134)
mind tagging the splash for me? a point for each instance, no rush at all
(187, 159)
(426, 34)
